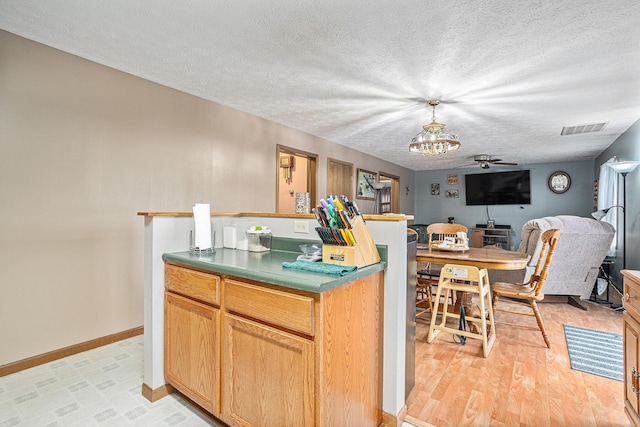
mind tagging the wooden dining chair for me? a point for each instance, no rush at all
(529, 293)
(430, 275)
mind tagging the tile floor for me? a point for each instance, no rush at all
(100, 387)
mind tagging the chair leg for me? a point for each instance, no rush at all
(494, 302)
(433, 332)
(536, 312)
(429, 297)
(483, 324)
(488, 328)
(423, 294)
(492, 311)
(434, 313)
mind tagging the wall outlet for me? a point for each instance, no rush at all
(301, 227)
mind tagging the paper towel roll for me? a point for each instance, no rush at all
(202, 219)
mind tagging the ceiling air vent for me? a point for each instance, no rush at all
(575, 130)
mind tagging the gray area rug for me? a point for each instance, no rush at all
(595, 352)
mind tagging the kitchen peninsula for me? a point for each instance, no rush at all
(325, 331)
(280, 350)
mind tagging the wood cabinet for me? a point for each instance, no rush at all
(268, 351)
(192, 350)
(268, 376)
(192, 335)
(631, 334)
(257, 354)
(481, 237)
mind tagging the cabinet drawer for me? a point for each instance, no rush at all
(290, 311)
(632, 296)
(195, 284)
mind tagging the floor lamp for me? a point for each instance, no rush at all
(623, 168)
(377, 186)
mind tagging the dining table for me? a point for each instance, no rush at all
(491, 258)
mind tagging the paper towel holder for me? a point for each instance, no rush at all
(197, 251)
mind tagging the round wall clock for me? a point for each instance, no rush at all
(559, 182)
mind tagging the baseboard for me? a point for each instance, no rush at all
(13, 367)
(572, 300)
(156, 394)
(416, 422)
(389, 420)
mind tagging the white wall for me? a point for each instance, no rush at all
(83, 148)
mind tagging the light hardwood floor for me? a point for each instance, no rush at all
(521, 383)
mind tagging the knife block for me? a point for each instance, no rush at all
(362, 254)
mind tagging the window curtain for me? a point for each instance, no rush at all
(607, 197)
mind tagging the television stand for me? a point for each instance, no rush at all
(499, 236)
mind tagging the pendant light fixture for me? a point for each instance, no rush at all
(434, 140)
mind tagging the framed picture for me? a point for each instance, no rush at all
(364, 188)
(435, 189)
(452, 194)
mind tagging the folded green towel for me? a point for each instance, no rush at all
(320, 267)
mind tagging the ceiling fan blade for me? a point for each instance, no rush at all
(505, 163)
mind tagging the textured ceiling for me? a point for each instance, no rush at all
(510, 74)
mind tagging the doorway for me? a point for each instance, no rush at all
(339, 178)
(296, 173)
(389, 196)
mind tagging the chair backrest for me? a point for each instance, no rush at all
(466, 273)
(549, 240)
(438, 231)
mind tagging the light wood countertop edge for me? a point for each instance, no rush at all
(277, 215)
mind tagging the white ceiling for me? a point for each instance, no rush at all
(510, 73)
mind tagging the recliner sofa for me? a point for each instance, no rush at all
(582, 246)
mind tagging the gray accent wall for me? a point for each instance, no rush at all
(627, 147)
(578, 200)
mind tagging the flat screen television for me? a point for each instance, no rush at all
(498, 188)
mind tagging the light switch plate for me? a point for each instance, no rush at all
(301, 227)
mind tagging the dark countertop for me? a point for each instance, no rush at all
(267, 266)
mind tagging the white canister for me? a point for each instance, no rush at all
(229, 238)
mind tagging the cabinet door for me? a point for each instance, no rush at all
(192, 350)
(477, 237)
(631, 380)
(268, 376)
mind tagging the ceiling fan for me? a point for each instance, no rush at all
(485, 161)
